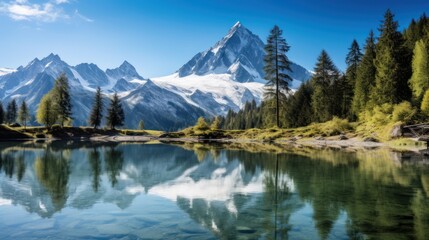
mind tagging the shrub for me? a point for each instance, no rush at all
(335, 126)
(425, 104)
(403, 112)
(201, 125)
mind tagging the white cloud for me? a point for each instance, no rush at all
(86, 19)
(24, 10)
(58, 1)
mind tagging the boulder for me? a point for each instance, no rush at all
(396, 131)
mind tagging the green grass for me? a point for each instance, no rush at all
(56, 131)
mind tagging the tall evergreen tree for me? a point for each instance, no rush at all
(365, 76)
(341, 97)
(276, 68)
(419, 81)
(11, 113)
(23, 114)
(353, 58)
(97, 110)
(2, 115)
(392, 65)
(299, 111)
(115, 113)
(325, 74)
(416, 31)
(61, 99)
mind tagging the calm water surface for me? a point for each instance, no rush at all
(155, 191)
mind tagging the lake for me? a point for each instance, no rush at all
(78, 190)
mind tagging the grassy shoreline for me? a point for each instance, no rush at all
(322, 135)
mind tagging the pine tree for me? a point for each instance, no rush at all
(354, 57)
(11, 113)
(419, 81)
(61, 99)
(2, 115)
(276, 69)
(141, 125)
(392, 65)
(365, 76)
(115, 113)
(23, 114)
(341, 96)
(416, 31)
(45, 113)
(325, 74)
(299, 111)
(97, 110)
(215, 124)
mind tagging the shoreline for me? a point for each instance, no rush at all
(341, 141)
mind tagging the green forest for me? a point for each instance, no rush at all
(386, 83)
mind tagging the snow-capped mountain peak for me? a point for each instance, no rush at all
(51, 58)
(239, 53)
(124, 71)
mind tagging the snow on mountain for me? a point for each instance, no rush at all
(159, 108)
(227, 75)
(4, 71)
(125, 71)
(240, 53)
(214, 93)
(93, 75)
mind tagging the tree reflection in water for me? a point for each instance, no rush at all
(114, 159)
(95, 161)
(373, 194)
(53, 170)
(13, 162)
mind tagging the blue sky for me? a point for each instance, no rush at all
(159, 36)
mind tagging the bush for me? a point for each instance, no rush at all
(403, 112)
(382, 119)
(201, 125)
(335, 126)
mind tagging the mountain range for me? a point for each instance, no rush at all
(223, 77)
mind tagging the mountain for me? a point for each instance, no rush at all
(224, 77)
(240, 53)
(125, 71)
(4, 71)
(159, 108)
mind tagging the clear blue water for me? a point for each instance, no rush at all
(67, 190)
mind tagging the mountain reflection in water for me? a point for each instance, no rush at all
(84, 190)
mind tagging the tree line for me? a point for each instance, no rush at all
(55, 107)
(390, 75)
